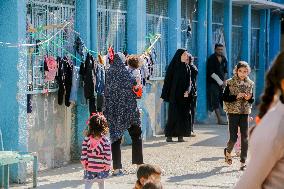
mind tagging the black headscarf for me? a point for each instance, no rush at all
(177, 79)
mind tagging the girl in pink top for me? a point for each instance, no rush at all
(96, 152)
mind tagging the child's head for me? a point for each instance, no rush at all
(148, 173)
(134, 61)
(151, 185)
(242, 70)
(97, 126)
(274, 84)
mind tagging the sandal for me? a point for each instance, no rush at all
(243, 167)
(228, 157)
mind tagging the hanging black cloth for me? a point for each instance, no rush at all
(29, 103)
(177, 81)
(64, 79)
(88, 73)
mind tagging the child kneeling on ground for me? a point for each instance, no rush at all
(96, 148)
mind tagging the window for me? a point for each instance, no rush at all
(46, 19)
(189, 18)
(112, 25)
(157, 23)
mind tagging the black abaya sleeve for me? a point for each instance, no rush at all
(167, 84)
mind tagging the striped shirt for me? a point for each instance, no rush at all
(96, 154)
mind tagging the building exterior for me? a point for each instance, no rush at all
(249, 29)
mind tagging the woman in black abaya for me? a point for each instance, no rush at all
(176, 91)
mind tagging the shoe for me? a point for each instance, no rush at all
(192, 134)
(243, 167)
(117, 172)
(228, 157)
(222, 123)
(238, 154)
(169, 139)
(180, 139)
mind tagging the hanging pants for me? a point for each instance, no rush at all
(135, 133)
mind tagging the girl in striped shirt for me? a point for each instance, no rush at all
(96, 152)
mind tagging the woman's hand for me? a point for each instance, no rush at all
(248, 96)
(240, 95)
(186, 94)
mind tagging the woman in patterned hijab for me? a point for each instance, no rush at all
(122, 112)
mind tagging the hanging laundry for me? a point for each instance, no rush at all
(88, 73)
(144, 71)
(149, 65)
(100, 79)
(64, 78)
(50, 68)
(100, 59)
(100, 103)
(79, 46)
(92, 105)
(29, 103)
(110, 54)
(75, 84)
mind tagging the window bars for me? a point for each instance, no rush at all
(157, 23)
(189, 18)
(112, 17)
(45, 18)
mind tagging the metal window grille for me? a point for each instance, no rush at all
(237, 35)
(237, 15)
(218, 12)
(189, 9)
(189, 16)
(255, 32)
(157, 22)
(255, 19)
(112, 25)
(42, 13)
(217, 23)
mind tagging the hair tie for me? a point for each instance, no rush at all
(257, 120)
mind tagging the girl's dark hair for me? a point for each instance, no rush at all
(272, 84)
(146, 170)
(134, 61)
(218, 45)
(241, 64)
(151, 185)
(97, 126)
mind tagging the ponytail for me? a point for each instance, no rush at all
(267, 97)
(273, 78)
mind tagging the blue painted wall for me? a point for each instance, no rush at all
(201, 113)
(209, 27)
(262, 55)
(12, 29)
(83, 26)
(174, 26)
(268, 44)
(246, 41)
(228, 33)
(136, 26)
(275, 36)
(93, 25)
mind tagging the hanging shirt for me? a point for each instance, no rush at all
(100, 79)
(75, 84)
